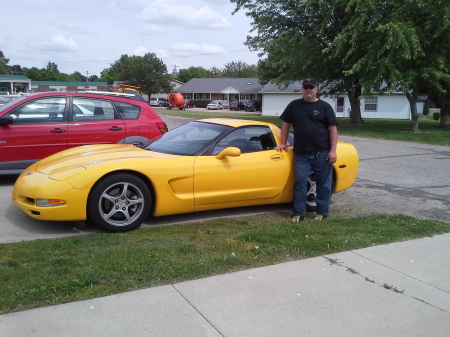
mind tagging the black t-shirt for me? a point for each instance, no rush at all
(310, 121)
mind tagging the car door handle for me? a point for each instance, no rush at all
(277, 157)
(58, 131)
(115, 128)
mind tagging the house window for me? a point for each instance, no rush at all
(370, 103)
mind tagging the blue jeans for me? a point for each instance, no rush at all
(304, 164)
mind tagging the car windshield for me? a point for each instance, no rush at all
(189, 139)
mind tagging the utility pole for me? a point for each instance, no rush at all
(175, 66)
(87, 76)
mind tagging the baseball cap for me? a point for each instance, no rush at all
(309, 81)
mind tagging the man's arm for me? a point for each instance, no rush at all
(332, 155)
(285, 127)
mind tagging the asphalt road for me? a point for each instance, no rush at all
(394, 177)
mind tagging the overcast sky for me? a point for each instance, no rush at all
(89, 35)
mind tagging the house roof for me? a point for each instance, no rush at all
(216, 85)
(68, 83)
(13, 77)
(270, 88)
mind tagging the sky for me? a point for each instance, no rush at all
(87, 36)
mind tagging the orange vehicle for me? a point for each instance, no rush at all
(128, 89)
(176, 101)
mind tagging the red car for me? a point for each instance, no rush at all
(189, 104)
(39, 124)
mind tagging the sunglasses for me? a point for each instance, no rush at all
(306, 87)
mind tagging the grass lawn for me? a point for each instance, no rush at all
(47, 272)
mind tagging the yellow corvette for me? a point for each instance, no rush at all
(202, 165)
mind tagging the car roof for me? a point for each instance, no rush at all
(91, 94)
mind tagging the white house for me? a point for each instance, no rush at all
(393, 106)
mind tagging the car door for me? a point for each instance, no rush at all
(94, 121)
(259, 172)
(39, 129)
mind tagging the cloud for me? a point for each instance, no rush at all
(192, 49)
(140, 51)
(164, 12)
(59, 43)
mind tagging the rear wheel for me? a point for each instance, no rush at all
(119, 202)
(311, 193)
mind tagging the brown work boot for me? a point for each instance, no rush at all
(297, 218)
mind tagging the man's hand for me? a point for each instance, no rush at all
(281, 147)
(332, 157)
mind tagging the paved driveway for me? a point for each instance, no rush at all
(394, 177)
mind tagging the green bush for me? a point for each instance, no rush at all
(201, 103)
(436, 116)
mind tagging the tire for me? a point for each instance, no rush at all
(311, 193)
(130, 195)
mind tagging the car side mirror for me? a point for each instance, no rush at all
(6, 120)
(229, 152)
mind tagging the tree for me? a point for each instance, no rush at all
(17, 70)
(78, 77)
(50, 72)
(239, 69)
(406, 47)
(3, 64)
(112, 73)
(294, 36)
(35, 74)
(185, 75)
(358, 46)
(147, 72)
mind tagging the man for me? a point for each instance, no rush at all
(315, 140)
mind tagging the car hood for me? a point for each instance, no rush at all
(79, 158)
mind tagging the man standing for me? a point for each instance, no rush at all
(315, 140)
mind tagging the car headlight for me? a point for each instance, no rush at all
(50, 202)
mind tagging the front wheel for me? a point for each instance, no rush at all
(119, 202)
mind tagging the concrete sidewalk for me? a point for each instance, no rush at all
(344, 294)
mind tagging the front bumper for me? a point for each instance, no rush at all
(33, 185)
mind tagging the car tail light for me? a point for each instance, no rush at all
(162, 127)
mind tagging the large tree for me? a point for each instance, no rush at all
(239, 69)
(147, 72)
(185, 75)
(356, 46)
(293, 36)
(406, 47)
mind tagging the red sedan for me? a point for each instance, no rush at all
(40, 124)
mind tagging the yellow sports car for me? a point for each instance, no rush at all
(202, 165)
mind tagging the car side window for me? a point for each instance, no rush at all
(43, 110)
(90, 109)
(127, 111)
(247, 139)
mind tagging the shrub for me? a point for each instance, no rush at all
(436, 116)
(201, 103)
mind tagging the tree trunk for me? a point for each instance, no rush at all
(353, 96)
(445, 106)
(412, 99)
